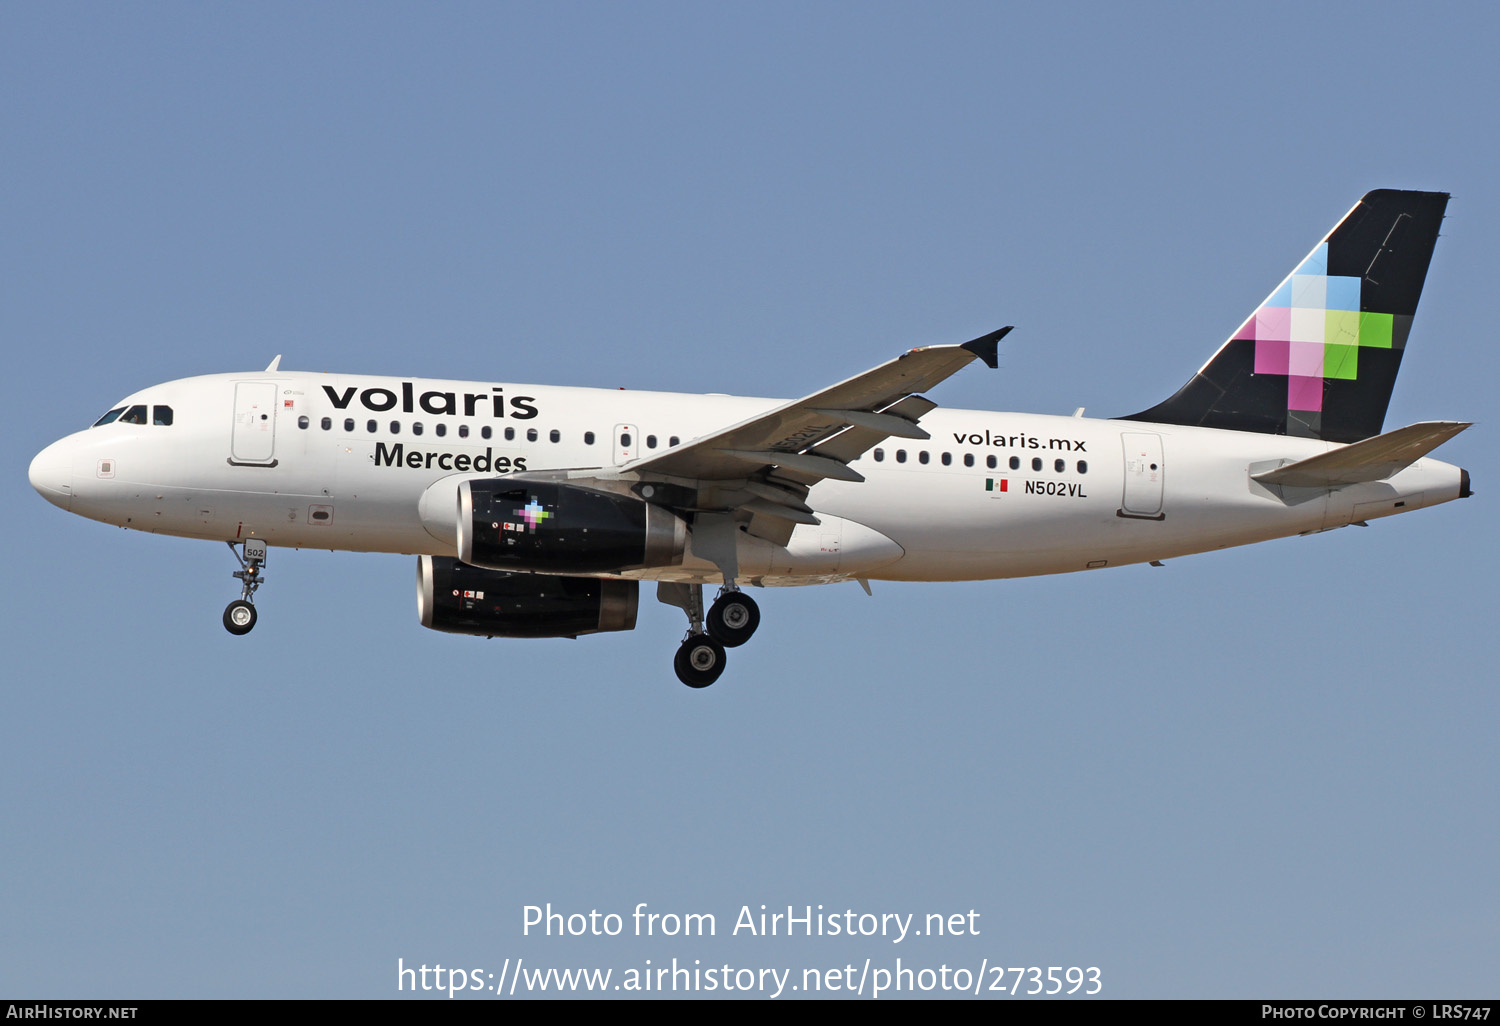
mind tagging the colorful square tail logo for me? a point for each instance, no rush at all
(1311, 330)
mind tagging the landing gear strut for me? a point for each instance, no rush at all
(239, 615)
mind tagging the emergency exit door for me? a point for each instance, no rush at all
(627, 443)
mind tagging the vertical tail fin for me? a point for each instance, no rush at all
(1319, 357)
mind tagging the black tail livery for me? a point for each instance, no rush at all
(1318, 358)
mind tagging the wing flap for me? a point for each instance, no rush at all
(803, 463)
(882, 423)
(771, 509)
(859, 439)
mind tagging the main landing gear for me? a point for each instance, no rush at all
(730, 621)
(733, 618)
(239, 615)
(699, 660)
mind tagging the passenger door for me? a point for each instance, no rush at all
(1145, 475)
(254, 439)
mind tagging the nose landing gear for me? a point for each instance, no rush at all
(239, 615)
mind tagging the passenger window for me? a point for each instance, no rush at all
(879, 455)
(510, 434)
(395, 427)
(555, 435)
(922, 456)
(625, 439)
(161, 415)
(651, 441)
(110, 417)
(991, 462)
(947, 459)
(485, 432)
(588, 438)
(530, 434)
(968, 459)
(463, 431)
(371, 427)
(900, 455)
(416, 428)
(674, 440)
(1059, 465)
(1036, 463)
(1015, 463)
(302, 423)
(441, 429)
(1083, 466)
(349, 424)
(327, 424)
(134, 415)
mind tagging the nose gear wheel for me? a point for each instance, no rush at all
(239, 617)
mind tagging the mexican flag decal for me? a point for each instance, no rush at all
(992, 484)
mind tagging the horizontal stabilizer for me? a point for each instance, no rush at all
(1373, 459)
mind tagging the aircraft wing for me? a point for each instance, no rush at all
(810, 439)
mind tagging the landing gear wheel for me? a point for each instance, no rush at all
(699, 661)
(733, 618)
(239, 617)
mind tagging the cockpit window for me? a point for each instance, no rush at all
(161, 415)
(134, 415)
(110, 417)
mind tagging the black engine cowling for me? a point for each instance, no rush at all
(462, 599)
(548, 527)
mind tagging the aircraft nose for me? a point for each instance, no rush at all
(51, 475)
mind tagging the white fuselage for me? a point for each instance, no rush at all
(344, 462)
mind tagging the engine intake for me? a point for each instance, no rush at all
(461, 599)
(547, 527)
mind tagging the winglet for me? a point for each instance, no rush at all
(987, 347)
(275, 365)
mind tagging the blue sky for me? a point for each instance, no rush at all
(1262, 772)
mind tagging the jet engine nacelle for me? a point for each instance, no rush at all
(547, 527)
(462, 599)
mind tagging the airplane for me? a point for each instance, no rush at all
(537, 511)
